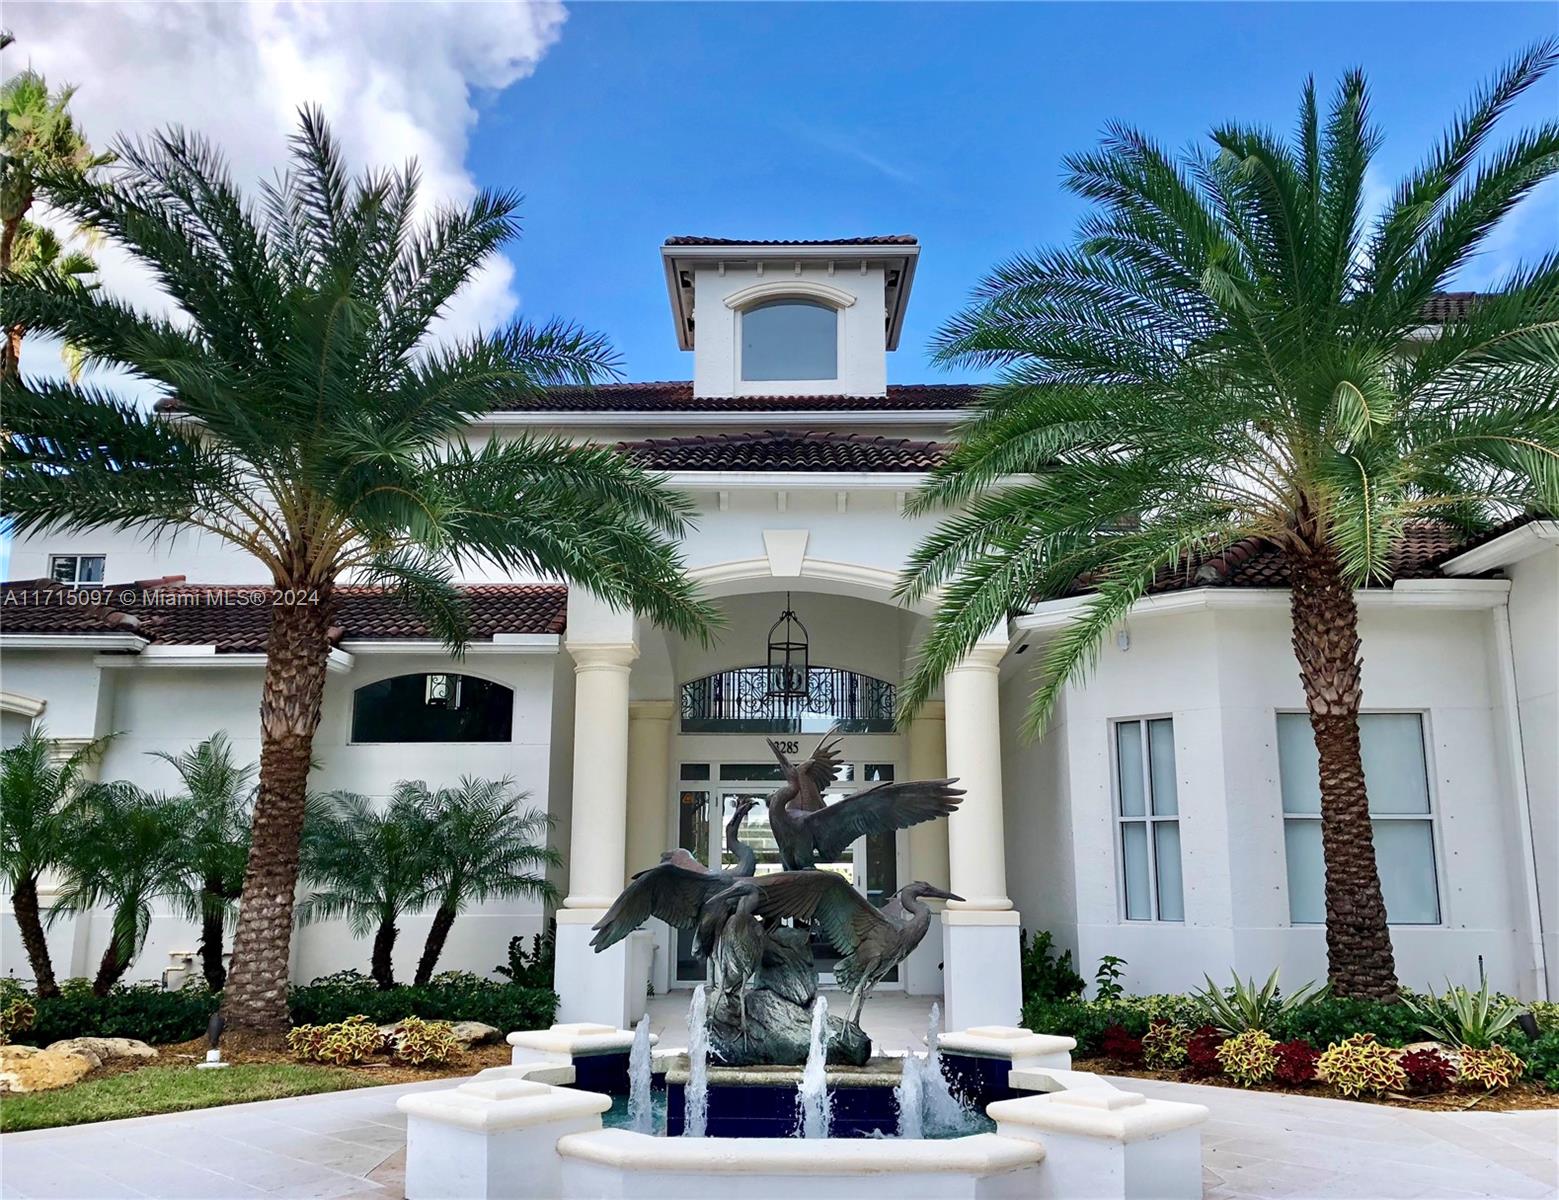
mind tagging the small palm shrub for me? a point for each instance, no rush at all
(1201, 1052)
(1295, 1063)
(1428, 1071)
(1249, 1058)
(1118, 1043)
(348, 1041)
(1494, 1067)
(1164, 1045)
(424, 1043)
(1464, 1018)
(1361, 1064)
(1245, 1006)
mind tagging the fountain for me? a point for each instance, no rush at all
(641, 1117)
(812, 1099)
(909, 1096)
(696, 1118)
(944, 1112)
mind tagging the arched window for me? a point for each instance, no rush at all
(790, 339)
(741, 701)
(432, 708)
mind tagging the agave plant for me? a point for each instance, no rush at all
(1245, 1006)
(1466, 1019)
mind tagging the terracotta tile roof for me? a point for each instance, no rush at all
(237, 619)
(783, 450)
(889, 239)
(677, 396)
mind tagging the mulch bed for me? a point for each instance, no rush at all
(1523, 1096)
(272, 1048)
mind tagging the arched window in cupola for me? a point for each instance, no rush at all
(790, 338)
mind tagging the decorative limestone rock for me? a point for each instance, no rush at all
(99, 1050)
(474, 1033)
(28, 1069)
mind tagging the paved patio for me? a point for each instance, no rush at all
(1256, 1144)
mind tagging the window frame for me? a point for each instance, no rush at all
(1148, 820)
(78, 581)
(1436, 849)
(772, 300)
(351, 711)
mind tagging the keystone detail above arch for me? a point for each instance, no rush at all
(782, 289)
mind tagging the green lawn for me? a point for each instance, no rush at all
(168, 1089)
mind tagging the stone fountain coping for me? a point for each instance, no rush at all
(1005, 1041)
(1102, 1113)
(496, 1105)
(979, 1154)
(561, 1074)
(579, 1037)
(879, 1071)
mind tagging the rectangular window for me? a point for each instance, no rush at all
(1396, 775)
(1147, 812)
(76, 568)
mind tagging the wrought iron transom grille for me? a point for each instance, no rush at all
(739, 701)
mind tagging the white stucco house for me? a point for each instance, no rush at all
(1168, 815)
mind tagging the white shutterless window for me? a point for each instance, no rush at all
(1147, 818)
(1396, 775)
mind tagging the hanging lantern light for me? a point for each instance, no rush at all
(788, 666)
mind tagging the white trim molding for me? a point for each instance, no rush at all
(73, 641)
(502, 643)
(26, 706)
(743, 417)
(205, 657)
(784, 289)
(1522, 542)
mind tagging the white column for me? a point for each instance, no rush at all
(981, 982)
(596, 987)
(649, 780)
(927, 747)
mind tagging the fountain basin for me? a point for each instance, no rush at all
(760, 1102)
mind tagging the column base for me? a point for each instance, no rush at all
(602, 989)
(981, 978)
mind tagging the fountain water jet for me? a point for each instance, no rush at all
(910, 1096)
(812, 1093)
(696, 1120)
(641, 1117)
(943, 1112)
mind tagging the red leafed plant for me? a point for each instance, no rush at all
(1428, 1071)
(1296, 1062)
(1117, 1043)
(1201, 1052)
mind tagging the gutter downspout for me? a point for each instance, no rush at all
(1504, 651)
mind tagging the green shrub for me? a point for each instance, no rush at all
(1334, 1018)
(1086, 1020)
(502, 1005)
(1245, 1006)
(1249, 1058)
(1164, 1045)
(1361, 1064)
(1494, 1067)
(1541, 1056)
(1462, 1017)
(1045, 976)
(424, 1043)
(1546, 1014)
(140, 1010)
(1107, 979)
(18, 1016)
(533, 969)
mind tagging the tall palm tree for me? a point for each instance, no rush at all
(38, 137)
(1234, 350)
(483, 847)
(126, 850)
(367, 863)
(218, 795)
(320, 429)
(36, 251)
(38, 784)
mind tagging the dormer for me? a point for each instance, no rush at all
(789, 318)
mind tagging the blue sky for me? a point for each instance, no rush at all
(946, 121)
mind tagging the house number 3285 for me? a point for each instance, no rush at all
(792, 747)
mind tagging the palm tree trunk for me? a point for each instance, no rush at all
(1326, 643)
(8, 233)
(382, 965)
(24, 903)
(255, 997)
(211, 935)
(11, 351)
(114, 963)
(443, 919)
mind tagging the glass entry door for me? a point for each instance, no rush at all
(707, 804)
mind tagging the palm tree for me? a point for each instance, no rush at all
(37, 251)
(483, 847)
(1233, 351)
(38, 785)
(369, 864)
(126, 850)
(218, 793)
(38, 138)
(318, 428)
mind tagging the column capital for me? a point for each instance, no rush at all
(985, 656)
(590, 656)
(652, 710)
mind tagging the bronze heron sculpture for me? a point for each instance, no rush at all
(872, 941)
(731, 936)
(676, 888)
(808, 830)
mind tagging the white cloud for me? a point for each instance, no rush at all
(396, 81)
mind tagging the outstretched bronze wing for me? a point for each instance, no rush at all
(886, 807)
(822, 766)
(674, 891)
(846, 917)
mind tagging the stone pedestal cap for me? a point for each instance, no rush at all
(579, 1037)
(1094, 1113)
(1005, 1041)
(495, 1105)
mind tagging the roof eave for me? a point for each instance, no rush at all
(1521, 542)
